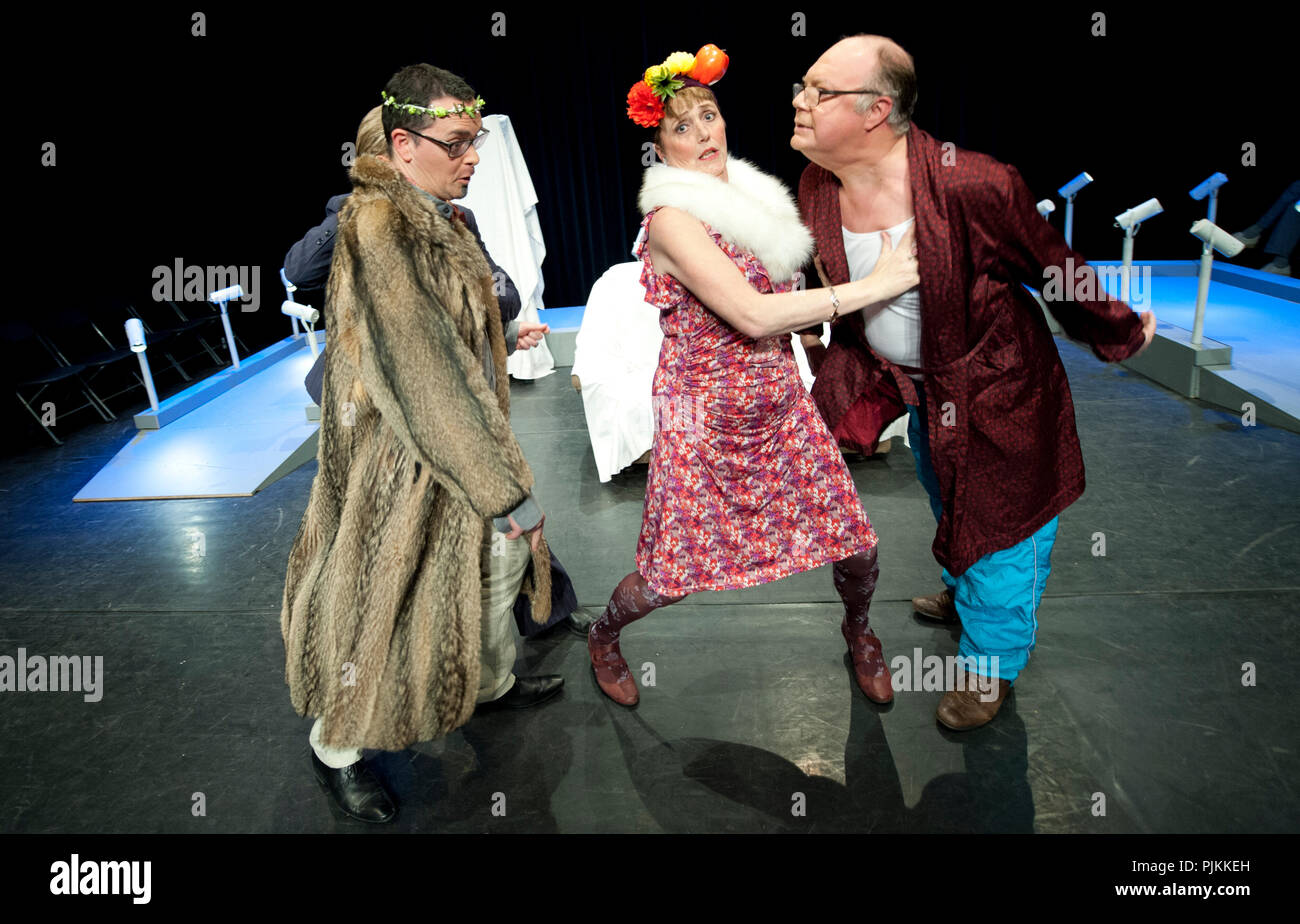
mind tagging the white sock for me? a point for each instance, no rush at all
(335, 758)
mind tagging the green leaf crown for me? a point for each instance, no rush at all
(436, 112)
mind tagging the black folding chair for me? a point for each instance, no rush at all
(74, 337)
(198, 324)
(30, 366)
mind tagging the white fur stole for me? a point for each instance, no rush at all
(750, 209)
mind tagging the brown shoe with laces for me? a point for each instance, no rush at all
(937, 608)
(612, 673)
(869, 667)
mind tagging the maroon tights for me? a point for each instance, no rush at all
(632, 599)
(855, 582)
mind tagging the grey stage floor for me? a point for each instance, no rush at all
(1132, 716)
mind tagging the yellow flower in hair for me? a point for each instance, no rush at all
(679, 62)
(656, 74)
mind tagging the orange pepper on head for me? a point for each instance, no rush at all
(710, 64)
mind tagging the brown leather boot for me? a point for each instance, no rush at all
(869, 667)
(937, 608)
(612, 672)
(964, 709)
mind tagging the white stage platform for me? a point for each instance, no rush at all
(239, 433)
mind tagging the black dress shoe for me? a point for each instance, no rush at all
(356, 790)
(527, 691)
(580, 621)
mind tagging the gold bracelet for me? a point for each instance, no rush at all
(834, 301)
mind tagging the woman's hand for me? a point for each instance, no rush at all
(896, 270)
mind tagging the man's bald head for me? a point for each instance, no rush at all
(882, 64)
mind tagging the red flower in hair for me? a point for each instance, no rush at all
(643, 106)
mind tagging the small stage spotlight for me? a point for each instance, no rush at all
(1216, 237)
(308, 315)
(1210, 187)
(290, 288)
(1068, 192)
(135, 335)
(1220, 240)
(220, 297)
(1130, 221)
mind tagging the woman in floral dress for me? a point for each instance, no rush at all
(746, 485)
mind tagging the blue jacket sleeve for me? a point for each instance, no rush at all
(315, 381)
(503, 285)
(307, 264)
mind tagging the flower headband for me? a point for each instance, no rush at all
(436, 112)
(645, 101)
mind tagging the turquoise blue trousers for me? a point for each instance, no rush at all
(997, 597)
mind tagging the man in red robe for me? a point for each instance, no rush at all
(967, 354)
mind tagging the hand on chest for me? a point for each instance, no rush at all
(863, 250)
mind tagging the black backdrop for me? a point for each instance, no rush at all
(222, 149)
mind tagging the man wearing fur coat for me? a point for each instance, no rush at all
(421, 526)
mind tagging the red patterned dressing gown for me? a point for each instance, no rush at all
(1010, 460)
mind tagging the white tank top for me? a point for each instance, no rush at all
(893, 331)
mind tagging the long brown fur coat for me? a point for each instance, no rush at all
(381, 613)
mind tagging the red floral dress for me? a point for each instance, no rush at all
(746, 485)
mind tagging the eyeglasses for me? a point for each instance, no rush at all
(815, 95)
(456, 149)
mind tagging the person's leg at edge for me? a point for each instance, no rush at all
(1278, 209)
(918, 435)
(855, 582)
(1282, 218)
(1282, 242)
(632, 599)
(939, 607)
(998, 597)
(349, 781)
(503, 565)
(334, 758)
